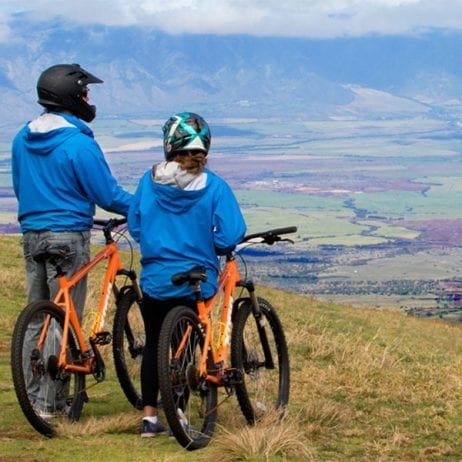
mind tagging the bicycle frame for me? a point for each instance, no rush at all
(64, 300)
(229, 279)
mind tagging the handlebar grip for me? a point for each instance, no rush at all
(287, 230)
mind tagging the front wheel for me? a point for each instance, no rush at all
(128, 345)
(189, 402)
(259, 351)
(46, 393)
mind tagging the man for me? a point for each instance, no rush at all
(59, 175)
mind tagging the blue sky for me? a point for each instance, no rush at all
(284, 18)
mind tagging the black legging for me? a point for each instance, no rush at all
(154, 312)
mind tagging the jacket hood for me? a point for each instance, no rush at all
(176, 190)
(48, 131)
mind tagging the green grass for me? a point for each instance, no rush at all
(327, 227)
(268, 198)
(367, 385)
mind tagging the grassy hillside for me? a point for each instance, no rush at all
(367, 385)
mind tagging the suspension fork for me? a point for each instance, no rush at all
(134, 349)
(260, 321)
(131, 274)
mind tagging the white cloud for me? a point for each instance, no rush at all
(295, 18)
(5, 32)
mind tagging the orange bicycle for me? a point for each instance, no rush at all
(244, 350)
(50, 356)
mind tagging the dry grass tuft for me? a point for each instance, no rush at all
(321, 417)
(438, 451)
(121, 423)
(275, 437)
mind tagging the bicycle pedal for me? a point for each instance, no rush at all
(232, 377)
(103, 338)
(98, 367)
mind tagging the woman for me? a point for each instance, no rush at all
(183, 215)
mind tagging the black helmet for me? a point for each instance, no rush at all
(63, 86)
(186, 132)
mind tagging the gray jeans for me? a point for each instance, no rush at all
(42, 284)
(40, 277)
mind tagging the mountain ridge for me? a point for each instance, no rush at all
(146, 71)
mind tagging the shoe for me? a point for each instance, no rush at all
(44, 414)
(47, 414)
(149, 429)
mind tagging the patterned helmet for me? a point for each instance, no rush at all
(186, 132)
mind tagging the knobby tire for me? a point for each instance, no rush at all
(36, 377)
(264, 388)
(128, 339)
(189, 403)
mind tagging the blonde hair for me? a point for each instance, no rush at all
(191, 161)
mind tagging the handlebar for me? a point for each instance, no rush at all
(198, 273)
(271, 236)
(110, 223)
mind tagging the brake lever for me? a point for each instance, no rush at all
(270, 240)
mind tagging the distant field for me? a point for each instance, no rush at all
(372, 199)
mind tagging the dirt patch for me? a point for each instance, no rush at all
(436, 232)
(5, 348)
(14, 434)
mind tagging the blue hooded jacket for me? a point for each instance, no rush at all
(60, 174)
(179, 229)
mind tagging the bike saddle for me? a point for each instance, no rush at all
(56, 253)
(192, 276)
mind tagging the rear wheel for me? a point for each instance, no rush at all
(128, 345)
(259, 351)
(189, 403)
(45, 393)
